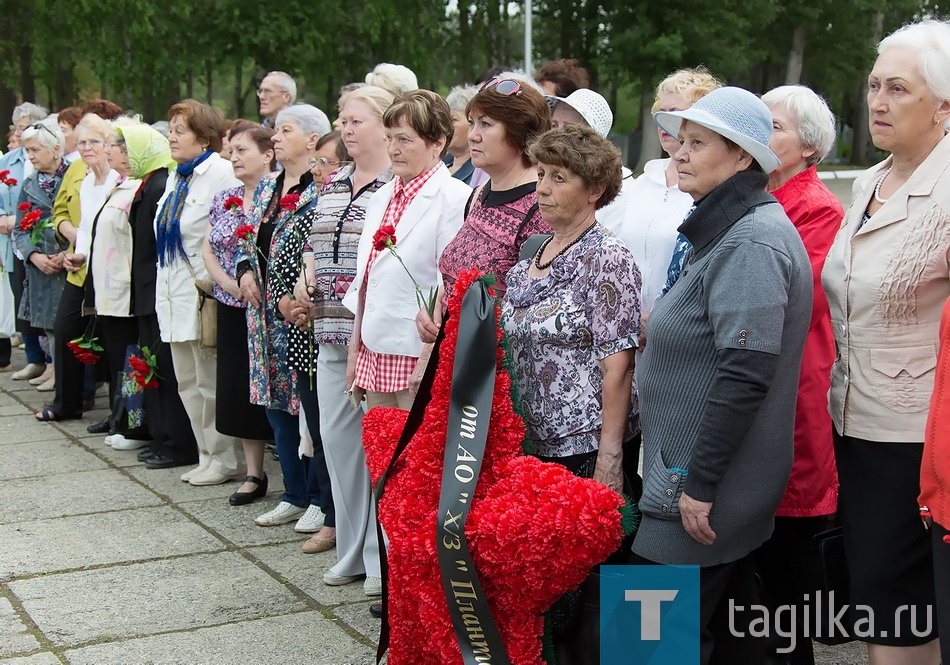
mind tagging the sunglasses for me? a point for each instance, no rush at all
(505, 87)
(323, 162)
(40, 125)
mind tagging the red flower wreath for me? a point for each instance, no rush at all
(290, 202)
(534, 530)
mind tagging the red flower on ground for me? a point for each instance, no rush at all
(23, 206)
(244, 232)
(534, 530)
(385, 237)
(233, 203)
(290, 202)
(29, 219)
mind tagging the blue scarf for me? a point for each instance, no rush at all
(168, 236)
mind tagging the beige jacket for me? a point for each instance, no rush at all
(886, 285)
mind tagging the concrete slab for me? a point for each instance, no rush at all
(357, 617)
(119, 458)
(43, 497)
(77, 428)
(236, 523)
(157, 596)
(67, 543)
(46, 458)
(14, 410)
(307, 637)
(168, 483)
(7, 399)
(305, 571)
(45, 658)
(14, 636)
(26, 429)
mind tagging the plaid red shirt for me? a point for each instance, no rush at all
(379, 372)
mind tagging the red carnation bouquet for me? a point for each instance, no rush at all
(145, 369)
(385, 238)
(86, 348)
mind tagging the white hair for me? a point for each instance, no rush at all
(27, 110)
(286, 83)
(459, 97)
(931, 41)
(816, 123)
(309, 119)
(48, 139)
(398, 79)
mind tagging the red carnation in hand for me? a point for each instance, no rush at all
(23, 206)
(233, 203)
(244, 232)
(87, 358)
(290, 202)
(29, 219)
(10, 182)
(385, 237)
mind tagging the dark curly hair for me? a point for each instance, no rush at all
(581, 150)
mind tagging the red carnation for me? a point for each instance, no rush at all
(29, 219)
(244, 232)
(233, 203)
(23, 206)
(87, 358)
(385, 237)
(139, 365)
(290, 202)
(10, 182)
(4, 173)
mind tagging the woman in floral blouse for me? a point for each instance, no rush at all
(252, 157)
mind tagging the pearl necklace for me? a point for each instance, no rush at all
(877, 187)
(563, 250)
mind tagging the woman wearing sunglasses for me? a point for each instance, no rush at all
(503, 118)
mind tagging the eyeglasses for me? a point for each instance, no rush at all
(505, 87)
(267, 92)
(323, 162)
(40, 125)
(92, 143)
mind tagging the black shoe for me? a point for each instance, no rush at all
(145, 454)
(161, 461)
(244, 498)
(101, 427)
(376, 609)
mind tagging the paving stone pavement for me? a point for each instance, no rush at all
(103, 561)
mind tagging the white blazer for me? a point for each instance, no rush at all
(388, 321)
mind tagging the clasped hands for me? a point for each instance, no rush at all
(48, 264)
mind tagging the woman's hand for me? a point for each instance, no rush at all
(642, 339)
(415, 379)
(295, 312)
(48, 265)
(695, 516)
(609, 470)
(427, 327)
(68, 231)
(250, 290)
(7, 222)
(233, 289)
(74, 262)
(351, 388)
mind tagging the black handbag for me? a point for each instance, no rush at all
(831, 575)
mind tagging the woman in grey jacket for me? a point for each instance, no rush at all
(719, 376)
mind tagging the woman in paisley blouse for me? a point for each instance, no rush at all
(572, 313)
(252, 157)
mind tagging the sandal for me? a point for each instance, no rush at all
(50, 416)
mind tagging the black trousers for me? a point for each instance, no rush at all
(168, 424)
(942, 579)
(308, 402)
(6, 351)
(70, 373)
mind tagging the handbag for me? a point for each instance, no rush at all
(831, 576)
(207, 315)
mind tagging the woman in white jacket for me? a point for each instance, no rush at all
(194, 136)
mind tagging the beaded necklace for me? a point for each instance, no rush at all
(563, 250)
(877, 187)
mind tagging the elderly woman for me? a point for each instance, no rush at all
(330, 155)
(886, 278)
(396, 79)
(14, 162)
(194, 137)
(649, 226)
(67, 119)
(719, 375)
(384, 349)
(74, 210)
(280, 203)
(252, 157)
(42, 249)
(803, 132)
(572, 313)
(334, 230)
(458, 155)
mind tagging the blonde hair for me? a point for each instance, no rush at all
(376, 98)
(94, 126)
(690, 84)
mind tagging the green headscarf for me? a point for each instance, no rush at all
(148, 150)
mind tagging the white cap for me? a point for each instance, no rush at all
(592, 106)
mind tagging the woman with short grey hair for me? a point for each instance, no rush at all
(458, 157)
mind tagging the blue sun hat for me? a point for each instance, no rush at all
(734, 113)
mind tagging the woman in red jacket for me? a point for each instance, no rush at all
(803, 131)
(935, 482)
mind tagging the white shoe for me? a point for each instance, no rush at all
(188, 475)
(311, 522)
(283, 513)
(208, 477)
(373, 586)
(332, 579)
(119, 442)
(108, 439)
(31, 371)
